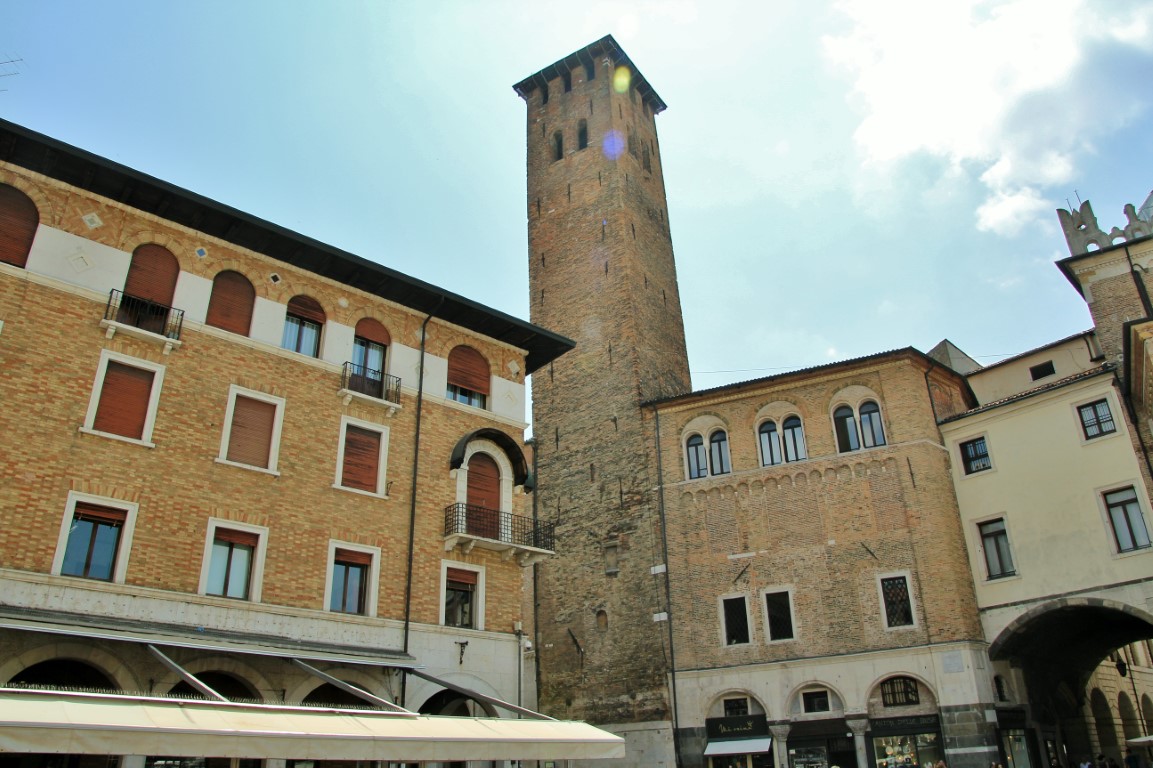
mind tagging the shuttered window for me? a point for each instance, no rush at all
(18, 221)
(152, 274)
(461, 576)
(371, 329)
(460, 597)
(230, 569)
(124, 399)
(250, 433)
(93, 541)
(361, 467)
(468, 369)
(302, 326)
(483, 509)
(350, 574)
(230, 306)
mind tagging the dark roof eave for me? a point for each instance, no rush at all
(42, 154)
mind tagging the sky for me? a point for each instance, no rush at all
(843, 177)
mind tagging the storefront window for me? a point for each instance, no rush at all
(809, 757)
(908, 751)
(1016, 750)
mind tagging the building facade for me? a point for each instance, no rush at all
(246, 467)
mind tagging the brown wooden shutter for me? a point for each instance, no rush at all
(483, 513)
(461, 575)
(467, 368)
(152, 274)
(123, 406)
(111, 515)
(18, 221)
(370, 329)
(232, 536)
(307, 308)
(353, 557)
(250, 441)
(361, 459)
(230, 306)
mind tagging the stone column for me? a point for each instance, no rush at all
(858, 726)
(780, 744)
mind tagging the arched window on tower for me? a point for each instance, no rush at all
(719, 453)
(845, 425)
(872, 431)
(770, 444)
(698, 459)
(793, 439)
(557, 146)
(18, 221)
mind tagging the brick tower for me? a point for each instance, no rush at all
(601, 272)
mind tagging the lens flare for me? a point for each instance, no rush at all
(622, 77)
(613, 144)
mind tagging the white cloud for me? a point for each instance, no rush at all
(1013, 92)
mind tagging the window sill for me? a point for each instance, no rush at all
(114, 436)
(901, 627)
(350, 395)
(359, 492)
(112, 328)
(238, 465)
(1134, 551)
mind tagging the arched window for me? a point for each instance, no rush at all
(148, 288)
(230, 306)
(582, 134)
(369, 355)
(872, 431)
(793, 439)
(468, 377)
(845, 425)
(557, 146)
(719, 453)
(302, 326)
(770, 444)
(698, 460)
(18, 221)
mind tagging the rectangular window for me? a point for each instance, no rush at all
(125, 397)
(900, 692)
(995, 542)
(361, 458)
(349, 581)
(95, 538)
(467, 396)
(233, 563)
(815, 701)
(898, 602)
(736, 707)
(1096, 419)
(1129, 529)
(779, 616)
(736, 620)
(301, 335)
(975, 456)
(252, 429)
(462, 600)
(1041, 370)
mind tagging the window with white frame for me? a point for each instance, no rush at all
(696, 456)
(233, 563)
(463, 596)
(719, 453)
(779, 615)
(897, 601)
(1096, 419)
(252, 424)
(995, 543)
(713, 461)
(125, 398)
(735, 620)
(793, 439)
(1126, 519)
(95, 538)
(362, 457)
(353, 576)
(770, 443)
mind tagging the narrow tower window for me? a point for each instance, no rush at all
(567, 78)
(557, 146)
(590, 71)
(582, 134)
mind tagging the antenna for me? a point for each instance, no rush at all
(9, 63)
(1079, 203)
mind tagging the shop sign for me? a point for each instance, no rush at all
(743, 727)
(910, 724)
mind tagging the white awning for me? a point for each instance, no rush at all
(101, 724)
(1140, 741)
(738, 747)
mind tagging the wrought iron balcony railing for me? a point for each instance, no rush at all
(366, 381)
(472, 520)
(146, 315)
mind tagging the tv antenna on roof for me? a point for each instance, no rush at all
(5, 64)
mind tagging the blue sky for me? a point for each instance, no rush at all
(843, 177)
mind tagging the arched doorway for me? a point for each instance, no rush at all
(483, 496)
(64, 674)
(448, 703)
(228, 686)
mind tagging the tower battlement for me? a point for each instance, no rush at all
(1083, 234)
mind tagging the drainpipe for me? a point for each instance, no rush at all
(412, 504)
(668, 588)
(535, 577)
(1139, 283)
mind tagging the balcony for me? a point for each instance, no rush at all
(142, 319)
(470, 525)
(366, 384)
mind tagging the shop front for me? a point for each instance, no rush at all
(738, 742)
(906, 742)
(821, 744)
(1018, 743)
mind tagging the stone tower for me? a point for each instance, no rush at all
(601, 272)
